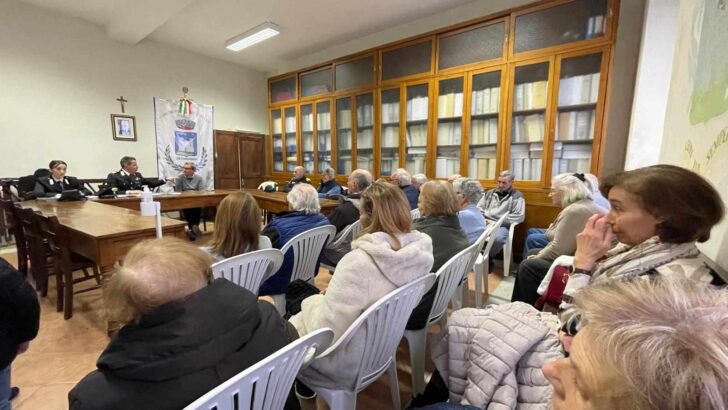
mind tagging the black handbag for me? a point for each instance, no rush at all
(297, 291)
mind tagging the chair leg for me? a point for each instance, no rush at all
(393, 384)
(416, 340)
(477, 270)
(484, 271)
(68, 295)
(59, 291)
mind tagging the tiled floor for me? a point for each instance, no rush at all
(66, 350)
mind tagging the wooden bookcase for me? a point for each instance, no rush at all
(524, 90)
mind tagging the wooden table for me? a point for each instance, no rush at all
(104, 233)
(271, 202)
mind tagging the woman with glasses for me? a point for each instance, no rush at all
(572, 193)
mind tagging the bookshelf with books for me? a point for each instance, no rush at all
(417, 105)
(307, 131)
(344, 135)
(578, 94)
(277, 138)
(389, 132)
(290, 138)
(484, 130)
(365, 131)
(323, 134)
(448, 137)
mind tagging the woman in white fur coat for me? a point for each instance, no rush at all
(387, 255)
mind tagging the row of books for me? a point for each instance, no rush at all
(562, 166)
(445, 167)
(343, 140)
(277, 126)
(484, 131)
(278, 166)
(485, 101)
(390, 113)
(595, 26)
(527, 128)
(388, 165)
(344, 165)
(343, 119)
(324, 143)
(529, 96)
(415, 164)
(526, 169)
(307, 143)
(449, 133)
(307, 122)
(572, 151)
(416, 135)
(581, 89)
(390, 137)
(324, 164)
(277, 144)
(364, 139)
(365, 115)
(481, 168)
(364, 162)
(450, 105)
(417, 109)
(575, 125)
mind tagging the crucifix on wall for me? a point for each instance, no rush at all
(122, 101)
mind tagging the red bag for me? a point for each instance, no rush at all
(556, 288)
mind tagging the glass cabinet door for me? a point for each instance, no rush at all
(528, 121)
(365, 131)
(389, 135)
(307, 137)
(576, 113)
(484, 115)
(343, 136)
(289, 117)
(449, 126)
(277, 135)
(416, 127)
(323, 132)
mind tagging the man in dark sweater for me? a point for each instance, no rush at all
(346, 214)
(403, 180)
(19, 320)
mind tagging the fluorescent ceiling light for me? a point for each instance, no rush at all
(253, 36)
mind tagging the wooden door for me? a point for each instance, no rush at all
(251, 152)
(227, 164)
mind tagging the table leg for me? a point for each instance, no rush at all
(106, 272)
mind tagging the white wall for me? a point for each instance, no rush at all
(476, 9)
(60, 77)
(653, 83)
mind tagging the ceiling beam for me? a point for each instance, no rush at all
(141, 18)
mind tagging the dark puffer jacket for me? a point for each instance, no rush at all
(280, 230)
(182, 350)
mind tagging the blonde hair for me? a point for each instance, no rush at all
(667, 339)
(438, 199)
(155, 272)
(304, 198)
(237, 225)
(384, 208)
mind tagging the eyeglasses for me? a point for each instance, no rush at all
(186, 168)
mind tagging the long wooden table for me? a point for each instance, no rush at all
(272, 202)
(104, 233)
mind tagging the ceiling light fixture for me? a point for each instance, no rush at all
(253, 36)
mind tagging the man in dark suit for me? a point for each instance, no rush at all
(128, 179)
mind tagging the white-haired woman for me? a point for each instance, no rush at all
(658, 344)
(304, 214)
(328, 186)
(572, 193)
(468, 192)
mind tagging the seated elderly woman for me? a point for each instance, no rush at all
(328, 186)
(573, 194)
(468, 192)
(237, 227)
(183, 336)
(671, 355)
(304, 214)
(387, 254)
(439, 209)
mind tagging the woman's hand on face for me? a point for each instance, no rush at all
(593, 242)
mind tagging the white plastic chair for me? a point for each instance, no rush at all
(480, 267)
(349, 233)
(250, 269)
(384, 322)
(508, 250)
(415, 213)
(448, 277)
(306, 248)
(266, 384)
(462, 293)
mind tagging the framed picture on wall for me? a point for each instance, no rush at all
(123, 127)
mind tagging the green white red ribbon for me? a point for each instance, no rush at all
(185, 106)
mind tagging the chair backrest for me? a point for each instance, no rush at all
(494, 231)
(348, 234)
(415, 213)
(479, 243)
(384, 322)
(266, 384)
(250, 269)
(449, 277)
(306, 248)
